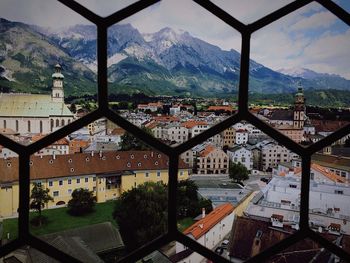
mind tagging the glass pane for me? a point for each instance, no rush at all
(47, 64)
(9, 195)
(170, 73)
(238, 191)
(99, 186)
(299, 77)
(329, 214)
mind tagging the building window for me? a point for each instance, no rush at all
(50, 183)
(55, 193)
(69, 191)
(338, 192)
(57, 123)
(94, 179)
(41, 126)
(60, 182)
(78, 180)
(158, 174)
(62, 123)
(5, 124)
(86, 179)
(29, 126)
(146, 174)
(51, 124)
(69, 181)
(17, 125)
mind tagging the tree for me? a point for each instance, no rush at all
(39, 197)
(73, 108)
(238, 172)
(141, 214)
(130, 142)
(188, 202)
(82, 202)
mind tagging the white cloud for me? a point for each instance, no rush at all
(318, 20)
(105, 7)
(45, 13)
(248, 11)
(186, 15)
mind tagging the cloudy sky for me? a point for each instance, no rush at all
(311, 37)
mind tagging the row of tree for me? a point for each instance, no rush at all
(82, 202)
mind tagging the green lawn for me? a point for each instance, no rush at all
(184, 223)
(59, 219)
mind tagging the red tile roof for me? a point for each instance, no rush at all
(208, 149)
(79, 164)
(191, 123)
(204, 225)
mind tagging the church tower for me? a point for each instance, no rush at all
(57, 85)
(299, 109)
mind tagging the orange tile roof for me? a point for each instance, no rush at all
(325, 171)
(208, 149)
(152, 125)
(223, 108)
(204, 225)
(191, 123)
(62, 141)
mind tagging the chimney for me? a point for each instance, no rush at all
(100, 153)
(92, 153)
(152, 154)
(203, 212)
(54, 155)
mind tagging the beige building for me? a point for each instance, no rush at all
(34, 113)
(107, 174)
(212, 160)
(272, 154)
(228, 137)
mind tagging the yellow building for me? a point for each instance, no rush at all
(107, 174)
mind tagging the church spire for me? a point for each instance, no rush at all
(57, 85)
(299, 108)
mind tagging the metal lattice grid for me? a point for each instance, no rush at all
(102, 23)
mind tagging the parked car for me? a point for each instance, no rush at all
(224, 243)
(265, 180)
(219, 250)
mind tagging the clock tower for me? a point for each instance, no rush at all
(57, 85)
(299, 109)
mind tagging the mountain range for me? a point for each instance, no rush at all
(168, 62)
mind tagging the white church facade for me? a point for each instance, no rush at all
(36, 113)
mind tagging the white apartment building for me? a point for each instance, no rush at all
(177, 133)
(212, 160)
(239, 154)
(208, 231)
(241, 136)
(328, 205)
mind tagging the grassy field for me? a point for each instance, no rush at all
(59, 219)
(184, 223)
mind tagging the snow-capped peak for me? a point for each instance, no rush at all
(299, 72)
